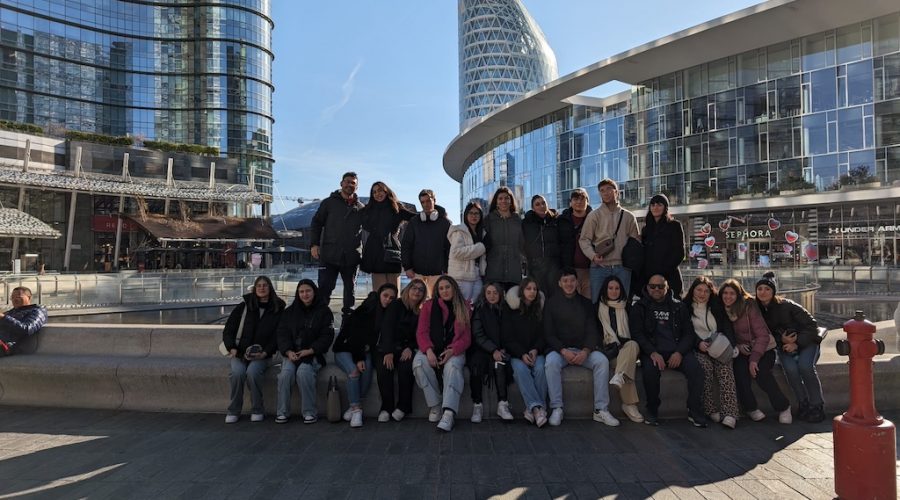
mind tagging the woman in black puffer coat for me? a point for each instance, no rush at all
(663, 240)
(381, 219)
(542, 244)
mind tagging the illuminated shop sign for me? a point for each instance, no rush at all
(748, 233)
(863, 229)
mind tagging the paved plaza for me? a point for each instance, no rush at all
(62, 453)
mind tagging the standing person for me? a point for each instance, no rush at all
(381, 218)
(359, 334)
(756, 353)
(395, 351)
(570, 330)
(522, 334)
(24, 320)
(612, 310)
(466, 264)
(570, 223)
(486, 358)
(304, 334)
(796, 334)
(658, 325)
(663, 239)
(503, 240)
(443, 335)
(255, 319)
(707, 316)
(335, 240)
(426, 249)
(607, 229)
(540, 229)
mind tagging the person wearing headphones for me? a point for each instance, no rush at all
(425, 249)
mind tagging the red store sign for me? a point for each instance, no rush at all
(107, 224)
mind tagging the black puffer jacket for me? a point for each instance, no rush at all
(663, 252)
(642, 324)
(257, 329)
(336, 230)
(360, 331)
(790, 316)
(303, 327)
(568, 236)
(520, 334)
(542, 241)
(426, 249)
(486, 320)
(398, 329)
(380, 221)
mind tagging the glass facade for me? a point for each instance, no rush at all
(811, 115)
(174, 71)
(502, 55)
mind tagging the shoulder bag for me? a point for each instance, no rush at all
(237, 340)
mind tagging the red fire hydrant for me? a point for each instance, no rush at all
(865, 453)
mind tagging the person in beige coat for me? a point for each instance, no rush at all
(618, 345)
(466, 263)
(608, 221)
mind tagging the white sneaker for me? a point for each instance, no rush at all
(785, 417)
(633, 414)
(231, 419)
(477, 413)
(556, 417)
(540, 419)
(729, 421)
(756, 415)
(384, 416)
(398, 415)
(503, 411)
(348, 414)
(715, 417)
(257, 417)
(356, 418)
(606, 417)
(529, 415)
(446, 423)
(434, 414)
(617, 380)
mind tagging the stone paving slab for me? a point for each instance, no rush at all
(62, 453)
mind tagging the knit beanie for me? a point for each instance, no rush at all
(768, 280)
(661, 199)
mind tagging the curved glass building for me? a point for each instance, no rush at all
(502, 55)
(184, 72)
(774, 131)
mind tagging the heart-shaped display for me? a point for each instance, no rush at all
(725, 225)
(742, 247)
(710, 241)
(702, 263)
(791, 237)
(812, 252)
(787, 248)
(774, 223)
(706, 228)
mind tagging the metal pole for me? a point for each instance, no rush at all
(212, 183)
(119, 217)
(15, 245)
(67, 258)
(27, 155)
(170, 181)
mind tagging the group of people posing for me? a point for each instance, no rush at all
(518, 299)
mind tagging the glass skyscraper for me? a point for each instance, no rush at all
(183, 72)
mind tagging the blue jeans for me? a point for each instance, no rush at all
(599, 275)
(435, 394)
(305, 375)
(595, 362)
(532, 382)
(800, 369)
(253, 374)
(358, 386)
(470, 289)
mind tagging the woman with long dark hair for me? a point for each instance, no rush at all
(540, 230)
(522, 336)
(381, 218)
(756, 353)
(249, 336)
(663, 239)
(466, 263)
(443, 335)
(503, 240)
(395, 350)
(486, 357)
(359, 334)
(612, 311)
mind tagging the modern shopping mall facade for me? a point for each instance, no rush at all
(182, 72)
(774, 131)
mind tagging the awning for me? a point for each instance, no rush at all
(206, 229)
(17, 224)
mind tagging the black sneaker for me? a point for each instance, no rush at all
(803, 411)
(651, 419)
(816, 414)
(698, 420)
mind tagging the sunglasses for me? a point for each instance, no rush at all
(654, 286)
(474, 213)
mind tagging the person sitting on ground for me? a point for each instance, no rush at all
(254, 320)
(522, 334)
(658, 325)
(22, 321)
(486, 357)
(572, 334)
(612, 310)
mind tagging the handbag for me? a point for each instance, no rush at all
(391, 251)
(821, 333)
(633, 255)
(606, 245)
(237, 340)
(611, 350)
(719, 348)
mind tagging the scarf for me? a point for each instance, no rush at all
(703, 320)
(611, 335)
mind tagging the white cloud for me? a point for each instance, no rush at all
(346, 93)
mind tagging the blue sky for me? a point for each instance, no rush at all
(374, 88)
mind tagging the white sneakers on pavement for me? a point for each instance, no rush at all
(446, 423)
(556, 417)
(257, 417)
(785, 417)
(348, 414)
(477, 413)
(503, 411)
(715, 417)
(729, 421)
(356, 418)
(398, 415)
(756, 415)
(606, 417)
(384, 416)
(617, 380)
(434, 414)
(231, 419)
(633, 414)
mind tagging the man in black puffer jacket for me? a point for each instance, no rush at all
(336, 240)
(426, 249)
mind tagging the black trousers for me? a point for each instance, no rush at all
(765, 379)
(405, 383)
(481, 363)
(328, 275)
(692, 371)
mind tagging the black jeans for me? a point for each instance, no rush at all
(328, 274)
(405, 383)
(765, 379)
(692, 371)
(479, 363)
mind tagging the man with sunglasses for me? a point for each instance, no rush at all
(658, 323)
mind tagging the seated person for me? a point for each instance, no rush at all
(23, 320)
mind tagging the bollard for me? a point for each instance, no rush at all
(865, 451)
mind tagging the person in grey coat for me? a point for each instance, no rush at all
(503, 240)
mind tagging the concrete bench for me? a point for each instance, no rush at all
(179, 369)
